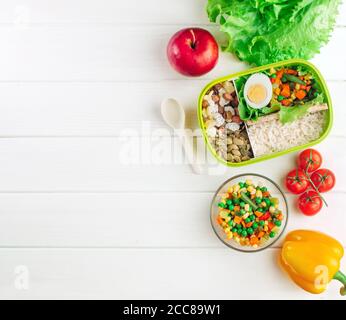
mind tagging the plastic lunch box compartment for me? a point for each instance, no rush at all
(234, 78)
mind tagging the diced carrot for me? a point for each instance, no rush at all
(280, 217)
(219, 220)
(277, 91)
(301, 94)
(248, 225)
(258, 214)
(236, 208)
(303, 87)
(237, 219)
(243, 224)
(286, 91)
(271, 225)
(286, 102)
(254, 240)
(280, 73)
(261, 234)
(265, 194)
(308, 88)
(253, 196)
(291, 71)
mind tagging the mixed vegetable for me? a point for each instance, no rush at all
(293, 87)
(249, 214)
(295, 91)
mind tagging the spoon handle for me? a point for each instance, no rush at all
(187, 144)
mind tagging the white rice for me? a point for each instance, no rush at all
(273, 136)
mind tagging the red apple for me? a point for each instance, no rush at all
(193, 51)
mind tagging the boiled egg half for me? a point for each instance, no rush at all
(258, 91)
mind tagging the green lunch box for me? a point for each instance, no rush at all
(294, 62)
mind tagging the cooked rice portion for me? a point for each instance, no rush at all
(273, 136)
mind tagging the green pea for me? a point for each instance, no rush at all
(242, 204)
(239, 226)
(236, 201)
(229, 202)
(262, 223)
(235, 230)
(230, 223)
(273, 75)
(247, 220)
(267, 201)
(258, 200)
(250, 231)
(252, 217)
(255, 225)
(231, 207)
(244, 233)
(242, 212)
(221, 205)
(264, 189)
(260, 209)
(280, 98)
(272, 234)
(248, 194)
(278, 223)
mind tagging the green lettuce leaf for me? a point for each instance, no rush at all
(290, 114)
(266, 31)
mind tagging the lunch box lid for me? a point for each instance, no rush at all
(252, 71)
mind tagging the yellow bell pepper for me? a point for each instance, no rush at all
(312, 260)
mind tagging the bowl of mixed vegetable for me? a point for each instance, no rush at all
(249, 212)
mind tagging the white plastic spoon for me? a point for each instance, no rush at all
(174, 115)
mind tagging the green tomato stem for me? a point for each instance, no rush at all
(342, 278)
(318, 192)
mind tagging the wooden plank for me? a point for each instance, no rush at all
(127, 220)
(127, 164)
(110, 12)
(115, 53)
(148, 274)
(107, 109)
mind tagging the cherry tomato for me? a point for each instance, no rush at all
(310, 203)
(323, 179)
(296, 181)
(310, 160)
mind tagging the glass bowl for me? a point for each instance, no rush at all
(275, 192)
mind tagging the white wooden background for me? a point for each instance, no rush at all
(73, 75)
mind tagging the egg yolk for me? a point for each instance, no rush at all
(257, 93)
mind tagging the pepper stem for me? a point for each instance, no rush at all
(342, 278)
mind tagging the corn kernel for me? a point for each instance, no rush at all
(265, 228)
(263, 204)
(223, 224)
(259, 194)
(247, 207)
(255, 246)
(246, 215)
(236, 188)
(227, 230)
(253, 192)
(228, 219)
(229, 235)
(248, 182)
(272, 209)
(230, 190)
(237, 239)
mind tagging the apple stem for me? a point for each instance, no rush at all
(193, 43)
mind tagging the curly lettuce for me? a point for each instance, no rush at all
(267, 31)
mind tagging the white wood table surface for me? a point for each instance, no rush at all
(76, 78)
